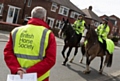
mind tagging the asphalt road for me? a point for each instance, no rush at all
(72, 71)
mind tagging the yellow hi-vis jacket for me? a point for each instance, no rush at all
(103, 31)
(29, 45)
(79, 26)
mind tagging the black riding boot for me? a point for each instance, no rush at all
(79, 38)
(104, 45)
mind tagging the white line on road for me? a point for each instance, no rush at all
(115, 74)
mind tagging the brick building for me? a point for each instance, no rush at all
(14, 11)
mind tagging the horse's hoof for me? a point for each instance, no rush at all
(100, 72)
(64, 64)
(71, 61)
(81, 62)
(86, 72)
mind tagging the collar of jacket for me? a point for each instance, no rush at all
(39, 22)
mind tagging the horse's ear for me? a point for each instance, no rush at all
(88, 26)
(63, 19)
(67, 20)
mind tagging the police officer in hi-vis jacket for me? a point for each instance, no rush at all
(103, 30)
(79, 26)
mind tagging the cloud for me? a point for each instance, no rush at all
(100, 7)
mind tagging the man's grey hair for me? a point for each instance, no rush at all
(39, 12)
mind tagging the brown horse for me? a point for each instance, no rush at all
(94, 48)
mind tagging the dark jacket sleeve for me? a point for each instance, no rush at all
(48, 62)
(10, 58)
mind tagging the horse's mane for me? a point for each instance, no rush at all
(69, 29)
(93, 33)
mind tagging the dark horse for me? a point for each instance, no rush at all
(71, 40)
(94, 48)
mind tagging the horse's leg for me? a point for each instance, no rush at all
(75, 53)
(64, 48)
(82, 59)
(83, 52)
(100, 71)
(68, 53)
(87, 64)
(88, 61)
(108, 61)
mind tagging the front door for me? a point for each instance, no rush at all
(13, 13)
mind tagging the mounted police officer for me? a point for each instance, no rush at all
(79, 26)
(103, 30)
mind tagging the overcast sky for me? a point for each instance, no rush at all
(100, 7)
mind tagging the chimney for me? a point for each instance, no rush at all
(90, 8)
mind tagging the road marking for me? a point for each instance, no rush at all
(115, 74)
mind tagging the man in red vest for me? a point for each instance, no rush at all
(21, 63)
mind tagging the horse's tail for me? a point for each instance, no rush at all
(109, 61)
(83, 49)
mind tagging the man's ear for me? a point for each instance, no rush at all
(44, 18)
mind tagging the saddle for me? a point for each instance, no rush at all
(109, 44)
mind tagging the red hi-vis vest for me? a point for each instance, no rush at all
(29, 44)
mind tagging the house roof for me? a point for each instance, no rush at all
(90, 14)
(115, 16)
(68, 4)
(112, 18)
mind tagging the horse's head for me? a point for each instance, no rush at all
(91, 34)
(87, 27)
(64, 25)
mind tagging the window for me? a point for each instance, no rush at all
(29, 3)
(58, 24)
(54, 7)
(50, 22)
(64, 11)
(11, 12)
(1, 8)
(115, 24)
(74, 15)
